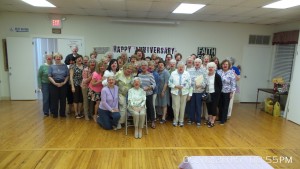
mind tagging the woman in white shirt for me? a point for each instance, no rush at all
(112, 69)
(180, 83)
(137, 106)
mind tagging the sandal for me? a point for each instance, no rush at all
(211, 125)
(153, 125)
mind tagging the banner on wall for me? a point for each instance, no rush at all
(161, 51)
(206, 51)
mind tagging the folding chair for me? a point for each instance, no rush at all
(129, 118)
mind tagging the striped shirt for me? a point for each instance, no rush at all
(147, 80)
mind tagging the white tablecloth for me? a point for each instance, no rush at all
(224, 162)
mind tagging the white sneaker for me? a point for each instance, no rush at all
(181, 124)
(119, 126)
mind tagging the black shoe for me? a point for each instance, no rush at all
(55, 116)
(210, 125)
(63, 115)
(46, 114)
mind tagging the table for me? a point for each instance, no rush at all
(224, 162)
(271, 91)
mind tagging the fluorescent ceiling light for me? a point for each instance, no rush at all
(39, 3)
(283, 4)
(185, 8)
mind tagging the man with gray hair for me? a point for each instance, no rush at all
(72, 56)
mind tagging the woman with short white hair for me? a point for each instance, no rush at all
(214, 87)
(109, 114)
(148, 84)
(198, 84)
(137, 106)
(180, 83)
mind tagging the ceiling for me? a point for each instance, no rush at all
(233, 11)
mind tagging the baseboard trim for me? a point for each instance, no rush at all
(5, 98)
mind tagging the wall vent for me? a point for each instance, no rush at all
(259, 39)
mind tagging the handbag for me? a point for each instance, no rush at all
(206, 97)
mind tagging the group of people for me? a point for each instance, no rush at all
(109, 90)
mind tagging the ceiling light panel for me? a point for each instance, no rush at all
(283, 4)
(185, 8)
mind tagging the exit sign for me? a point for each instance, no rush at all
(56, 23)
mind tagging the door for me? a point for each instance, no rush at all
(22, 68)
(293, 105)
(256, 66)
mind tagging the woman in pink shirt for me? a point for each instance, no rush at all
(95, 88)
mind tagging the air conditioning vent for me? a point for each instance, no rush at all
(259, 39)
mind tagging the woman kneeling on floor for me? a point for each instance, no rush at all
(137, 106)
(108, 111)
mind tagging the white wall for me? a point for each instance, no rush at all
(293, 107)
(228, 38)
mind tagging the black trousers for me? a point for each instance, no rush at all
(223, 107)
(150, 109)
(212, 106)
(58, 99)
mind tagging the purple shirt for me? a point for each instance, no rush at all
(109, 98)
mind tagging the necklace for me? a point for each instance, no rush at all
(112, 95)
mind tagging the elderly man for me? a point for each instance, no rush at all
(72, 56)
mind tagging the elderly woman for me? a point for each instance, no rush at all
(172, 66)
(85, 61)
(137, 106)
(44, 83)
(123, 80)
(228, 88)
(124, 57)
(205, 61)
(151, 66)
(237, 74)
(58, 75)
(189, 63)
(198, 84)
(93, 55)
(86, 79)
(179, 83)
(216, 60)
(108, 111)
(148, 84)
(214, 87)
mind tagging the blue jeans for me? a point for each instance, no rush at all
(108, 119)
(46, 97)
(196, 107)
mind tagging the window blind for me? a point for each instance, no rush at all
(283, 63)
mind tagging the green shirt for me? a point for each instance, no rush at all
(43, 75)
(123, 82)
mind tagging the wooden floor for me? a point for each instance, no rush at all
(28, 140)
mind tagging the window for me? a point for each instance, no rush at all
(283, 63)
